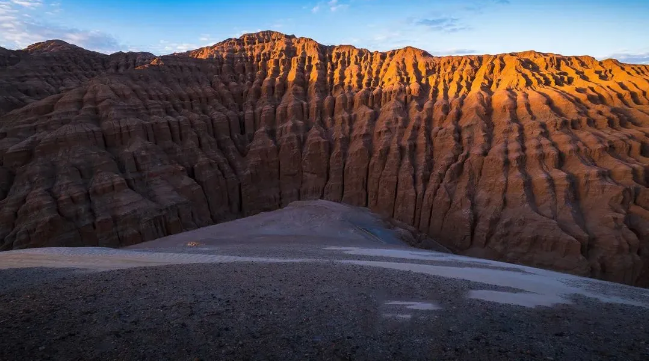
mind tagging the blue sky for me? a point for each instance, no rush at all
(604, 28)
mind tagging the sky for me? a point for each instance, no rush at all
(601, 28)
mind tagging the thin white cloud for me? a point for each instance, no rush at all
(184, 47)
(280, 24)
(20, 26)
(168, 47)
(242, 32)
(481, 5)
(442, 24)
(331, 5)
(641, 57)
(27, 3)
(334, 5)
(454, 52)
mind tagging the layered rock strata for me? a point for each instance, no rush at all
(531, 158)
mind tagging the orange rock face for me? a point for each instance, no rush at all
(531, 158)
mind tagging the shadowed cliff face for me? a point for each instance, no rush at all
(532, 158)
(53, 67)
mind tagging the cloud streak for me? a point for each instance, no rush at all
(632, 58)
(27, 3)
(454, 52)
(20, 26)
(479, 6)
(453, 24)
(332, 6)
(443, 24)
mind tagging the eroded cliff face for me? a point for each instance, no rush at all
(538, 159)
(52, 67)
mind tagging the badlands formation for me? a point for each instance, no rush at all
(530, 158)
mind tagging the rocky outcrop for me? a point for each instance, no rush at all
(53, 67)
(531, 158)
(8, 57)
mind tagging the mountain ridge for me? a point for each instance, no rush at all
(276, 34)
(533, 158)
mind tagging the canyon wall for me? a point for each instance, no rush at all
(531, 158)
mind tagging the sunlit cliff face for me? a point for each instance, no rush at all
(530, 158)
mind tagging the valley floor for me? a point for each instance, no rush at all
(327, 282)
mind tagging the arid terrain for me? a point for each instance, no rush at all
(315, 280)
(529, 158)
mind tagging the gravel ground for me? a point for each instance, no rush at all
(321, 310)
(286, 285)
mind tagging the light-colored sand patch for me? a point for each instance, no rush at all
(398, 316)
(519, 299)
(534, 287)
(421, 306)
(552, 290)
(103, 259)
(410, 255)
